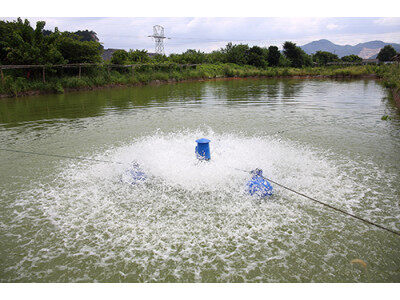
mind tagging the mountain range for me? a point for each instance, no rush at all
(364, 50)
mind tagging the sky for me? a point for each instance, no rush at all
(211, 33)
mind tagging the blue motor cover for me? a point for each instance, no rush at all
(258, 185)
(203, 149)
(135, 174)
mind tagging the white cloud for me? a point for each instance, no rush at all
(387, 21)
(209, 34)
(332, 26)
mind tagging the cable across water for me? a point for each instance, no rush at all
(327, 205)
(266, 178)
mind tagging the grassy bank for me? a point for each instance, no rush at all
(17, 83)
(390, 75)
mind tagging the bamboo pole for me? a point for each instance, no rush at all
(44, 76)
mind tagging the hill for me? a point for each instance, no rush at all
(364, 50)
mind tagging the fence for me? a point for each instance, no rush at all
(82, 65)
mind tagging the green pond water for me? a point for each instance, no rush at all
(70, 220)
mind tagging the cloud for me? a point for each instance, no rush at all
(387, 21)
(209, 34)
(332, 26)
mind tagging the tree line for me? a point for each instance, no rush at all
(242, 54)
(21, 44)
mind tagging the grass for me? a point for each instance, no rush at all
(16, 83)
(390, 75)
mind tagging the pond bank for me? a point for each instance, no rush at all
(396, 96)
(174, 80)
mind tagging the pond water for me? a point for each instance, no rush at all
(70, 220)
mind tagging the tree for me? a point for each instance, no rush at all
(273, 56)
(191, 56)
(352, 58)
(386, 53)
(138, 56)
(284, 62)
(298, 58)
(324, 57)
(216, 57)
(119, 57)
(236, 54)
(87, 36)
(22, 44)
(256, 57)
(76, 51)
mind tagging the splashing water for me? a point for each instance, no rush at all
(193, 221)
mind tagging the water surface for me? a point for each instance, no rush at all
(66, 220)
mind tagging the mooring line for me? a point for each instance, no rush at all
(268, 179)
(327, 205)
(62, 156)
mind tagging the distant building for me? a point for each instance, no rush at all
(369, 61)
(107, 54)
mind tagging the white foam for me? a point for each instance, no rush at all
(189, 221)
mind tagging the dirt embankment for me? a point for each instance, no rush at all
(396, 97)
(156, 82)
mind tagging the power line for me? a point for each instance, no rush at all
(61, 156)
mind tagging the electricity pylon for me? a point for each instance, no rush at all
(158, 36)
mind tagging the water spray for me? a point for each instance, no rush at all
(203, 153)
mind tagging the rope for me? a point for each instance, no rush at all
(328, 205)
(268, 179)
(62, 156)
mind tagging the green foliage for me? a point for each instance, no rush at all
(159, 58)
(216, 57)
(237, 54)
(138, 56)
(352, 58)
(76, 51)
(284, 61)
(87, 36)
(386, 53)
(16, 85)
(273, 56)
(119, 57)
(390, 75)
(324, 57)
(257, 57)
(191, 56)
(297, 57)
(22, 44)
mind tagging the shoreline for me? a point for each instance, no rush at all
(396, 94)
